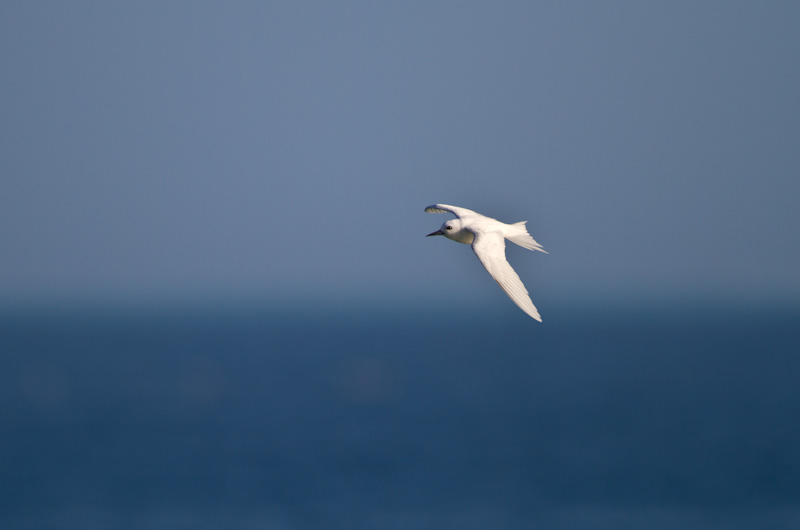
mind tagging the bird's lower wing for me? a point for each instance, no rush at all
(446, 208)
(490, 248)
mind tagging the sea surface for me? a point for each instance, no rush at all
(258, 418)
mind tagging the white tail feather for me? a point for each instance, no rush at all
(522, 238)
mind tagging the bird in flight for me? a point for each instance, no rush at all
(487, 237)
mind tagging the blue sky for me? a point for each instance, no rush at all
(180, 150)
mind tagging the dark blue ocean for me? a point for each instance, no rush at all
(257, 418)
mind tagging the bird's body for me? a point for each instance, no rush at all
(487, 237)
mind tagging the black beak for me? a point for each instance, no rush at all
(437, 233)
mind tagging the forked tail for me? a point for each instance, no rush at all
(522, 238)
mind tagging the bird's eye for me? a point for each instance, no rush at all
(449, 227)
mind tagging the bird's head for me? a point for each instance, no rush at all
(454, 229)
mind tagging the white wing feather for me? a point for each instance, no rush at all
(490, 248)
(455, 210)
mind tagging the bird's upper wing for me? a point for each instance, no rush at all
(490, 248)
(455, 210)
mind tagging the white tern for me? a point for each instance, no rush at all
(487, 237)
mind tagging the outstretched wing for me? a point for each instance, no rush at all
(490, 248)
(446, 208)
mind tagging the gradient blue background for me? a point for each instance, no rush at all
(218, 309)
(172, 151)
